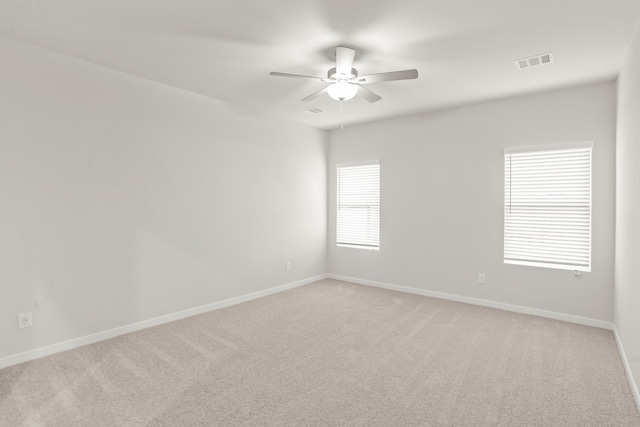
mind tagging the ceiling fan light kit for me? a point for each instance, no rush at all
(342, 91)
(345, 82)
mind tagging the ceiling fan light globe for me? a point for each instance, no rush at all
(342, 91)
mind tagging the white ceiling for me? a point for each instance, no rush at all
(224, 49)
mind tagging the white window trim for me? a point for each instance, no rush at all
(349, 244)
(554, 148)
(548, 147)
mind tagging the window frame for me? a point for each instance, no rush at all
(355, 243)
(557, 263)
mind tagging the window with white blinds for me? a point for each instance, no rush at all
(358, 205)
(547, 217)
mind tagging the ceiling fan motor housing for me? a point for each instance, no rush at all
(333, 75)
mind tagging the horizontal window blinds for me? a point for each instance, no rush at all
(358, 206)
(547, 218)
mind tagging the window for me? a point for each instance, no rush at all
(358, 207)
(547, 217)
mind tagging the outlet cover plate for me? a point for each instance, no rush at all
(25, 320)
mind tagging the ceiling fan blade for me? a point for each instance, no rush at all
(296, 76)
(344, 60)
(367, 94)
(390, 76)
(315, 95)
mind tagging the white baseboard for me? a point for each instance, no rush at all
(101, 336)
(627, 368)
(104, 335)
(477, 301)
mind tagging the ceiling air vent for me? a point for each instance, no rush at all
(312, 111)
(534, 61)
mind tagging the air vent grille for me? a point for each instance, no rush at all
(312, 111)
(534, 61)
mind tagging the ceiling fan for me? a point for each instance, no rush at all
(345, 83)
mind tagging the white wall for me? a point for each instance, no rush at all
(442, 199)
(627, 262)
(123, 199)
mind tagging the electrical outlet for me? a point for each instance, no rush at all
(482, 278)
(287, 266)
(25, 320)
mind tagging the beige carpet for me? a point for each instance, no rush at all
(328, 354)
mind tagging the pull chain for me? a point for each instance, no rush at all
(341, 111)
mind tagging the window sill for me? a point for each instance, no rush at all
(548, 265)
(345, 245)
